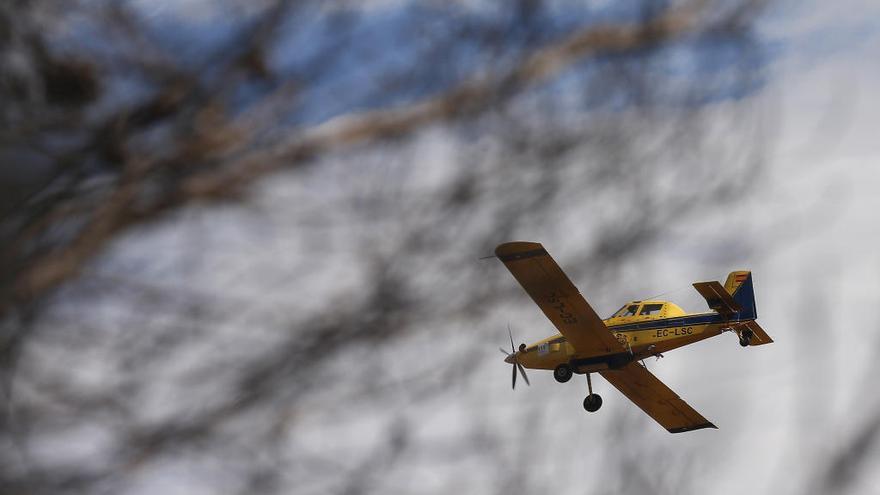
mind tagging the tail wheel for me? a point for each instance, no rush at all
(562, 373)
(593, 402)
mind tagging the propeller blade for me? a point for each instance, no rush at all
(513, 385)
(515, 363)
(510, 334)
(521, 370)
(503, 351)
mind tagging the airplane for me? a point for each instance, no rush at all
(616, 346)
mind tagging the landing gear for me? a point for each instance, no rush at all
(593, 401)
(745, 338)
(562, 373)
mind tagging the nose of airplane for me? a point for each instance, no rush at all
(509, 359)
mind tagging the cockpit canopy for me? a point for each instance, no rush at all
(648, 310)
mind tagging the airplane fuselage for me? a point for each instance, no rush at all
(640, 336)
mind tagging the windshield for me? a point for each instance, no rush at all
(626, 310)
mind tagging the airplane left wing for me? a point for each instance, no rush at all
(655, 398)
(558, 298)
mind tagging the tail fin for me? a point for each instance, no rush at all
(735, 280)
(739, 285)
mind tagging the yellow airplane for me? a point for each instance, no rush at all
(616, 346)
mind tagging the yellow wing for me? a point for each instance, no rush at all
(655, 398)
(558, 298)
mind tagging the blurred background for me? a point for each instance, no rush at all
(244, 242)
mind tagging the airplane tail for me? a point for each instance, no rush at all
(739, 285)
(736, 300)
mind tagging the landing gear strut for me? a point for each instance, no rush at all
(562, 373)
(593, 401)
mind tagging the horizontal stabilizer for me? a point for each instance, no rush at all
(759, 336)
(717, 297)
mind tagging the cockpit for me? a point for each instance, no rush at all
(646, 310)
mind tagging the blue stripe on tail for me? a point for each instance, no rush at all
(745, 296)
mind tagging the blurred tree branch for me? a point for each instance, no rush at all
(200, 169)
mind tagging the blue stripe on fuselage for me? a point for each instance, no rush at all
(677, 321)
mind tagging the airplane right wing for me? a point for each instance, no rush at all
(655, 398)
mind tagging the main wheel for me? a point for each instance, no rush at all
(745, 340)
(562, 373)
(593, 402)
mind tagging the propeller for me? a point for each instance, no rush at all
(511, 358)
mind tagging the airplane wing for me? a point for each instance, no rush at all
(656, 399)
(558, 298)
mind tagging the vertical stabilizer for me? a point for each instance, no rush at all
(739, 285)
(735, 280)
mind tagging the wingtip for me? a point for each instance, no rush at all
(684, 429)
(511, 251)
(507, 247)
